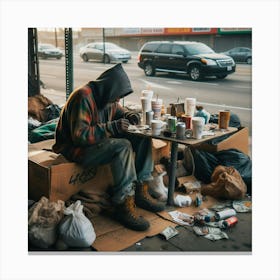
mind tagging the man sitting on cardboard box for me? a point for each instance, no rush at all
(91, 131)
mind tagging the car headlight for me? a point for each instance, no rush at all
(208, 61)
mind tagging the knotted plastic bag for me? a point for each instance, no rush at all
(43, 218)
(75, 229)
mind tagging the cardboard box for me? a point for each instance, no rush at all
(238, 140)
(51, 175)
(160, 149)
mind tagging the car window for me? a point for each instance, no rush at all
(164, 48)
(150, 47)
(98, 46)
(177, 49)
(44, 47)
(91, 46)
(194, 49)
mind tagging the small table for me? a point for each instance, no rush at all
(174, 149)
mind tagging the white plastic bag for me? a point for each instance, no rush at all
(43, 218)
(182, 200)
(75, 229)
(157, 188)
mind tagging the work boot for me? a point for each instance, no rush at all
(126, 214)
(144, 200)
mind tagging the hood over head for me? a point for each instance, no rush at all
(111, 85)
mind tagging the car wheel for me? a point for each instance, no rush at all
(221, 76)
(195, 72)
(106, 58)
(124, 61)
(249, 60)
(149, 69)
(85, 58)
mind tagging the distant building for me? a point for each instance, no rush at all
(132, 38)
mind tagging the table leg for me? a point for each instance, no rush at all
(172, 176)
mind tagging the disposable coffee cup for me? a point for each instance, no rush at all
(224, 117)
(156, 107)
(197, 127)
(146, 104)
(147, 93)
(190, 106)
(156, 126)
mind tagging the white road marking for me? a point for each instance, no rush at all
(225, 106)
(242, 87)
(174, 82)
(154, 85)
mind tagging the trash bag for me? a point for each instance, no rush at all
(205, 164)
(226, 184)
(51, 112)
(43, 218)
(43, 132)
(75, 229)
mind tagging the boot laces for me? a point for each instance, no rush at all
(131, 207)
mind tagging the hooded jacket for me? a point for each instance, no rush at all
(90, 113)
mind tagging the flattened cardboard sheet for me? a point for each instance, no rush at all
(112, 236)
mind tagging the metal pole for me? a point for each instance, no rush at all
(55, 37)
(172, 171)
(33, 61)
(103, 35)
(68, 61)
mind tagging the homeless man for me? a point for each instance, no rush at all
(91, 131)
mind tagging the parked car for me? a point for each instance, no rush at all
(49, 51)
(193, 58)
(113, 53)
(240, 54)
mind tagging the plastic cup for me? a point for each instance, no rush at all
(147, 93)
(156, 127)
(156, 107)
(146, 104)
(190, 106)
(197, 127)
(224, 117)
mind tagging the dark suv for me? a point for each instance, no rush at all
(192, 58)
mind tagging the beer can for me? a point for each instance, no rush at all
(188, 121)
(180, 130)
(230, 222)
(198, 200)
(172, 124)
(149, 117)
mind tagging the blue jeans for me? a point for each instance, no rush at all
(126, 168)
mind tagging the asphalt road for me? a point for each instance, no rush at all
(233, 93)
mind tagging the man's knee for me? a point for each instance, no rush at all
(122, 144)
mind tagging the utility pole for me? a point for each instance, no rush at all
(103, 35)
(55, 36)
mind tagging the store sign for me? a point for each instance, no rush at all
(235, 30)
(153, 30)
(188, 30)
(131, 31)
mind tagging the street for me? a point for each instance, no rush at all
(233, 93)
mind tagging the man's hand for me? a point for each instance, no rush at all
(122, 125)
(133, 118)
